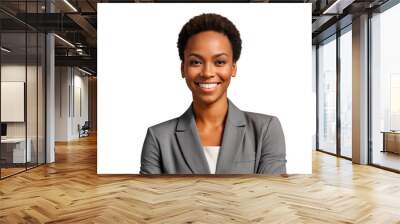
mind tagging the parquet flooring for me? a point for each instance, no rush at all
(70, 191)
(387, 159)
(10, 171)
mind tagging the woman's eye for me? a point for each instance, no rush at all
(220, 62)
(195, 62)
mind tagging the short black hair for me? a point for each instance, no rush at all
(210, 22)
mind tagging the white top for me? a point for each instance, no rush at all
(211, 153)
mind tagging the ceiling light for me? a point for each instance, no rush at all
(86, 72)
(70, 5)
(338, 6)
(5, 50)
(64, 40)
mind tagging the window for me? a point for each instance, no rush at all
(327, 96)
(346, 93)
(385, 88)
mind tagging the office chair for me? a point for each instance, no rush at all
(84, 130)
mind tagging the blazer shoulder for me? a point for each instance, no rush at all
(258, 119)
(165, 127)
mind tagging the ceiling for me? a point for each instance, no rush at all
(76, 22)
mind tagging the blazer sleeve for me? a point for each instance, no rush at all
(151, 156)
(273, 152)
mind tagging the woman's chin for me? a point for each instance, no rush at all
(210, 99)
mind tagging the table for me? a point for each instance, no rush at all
(391, 141)
(15, 148)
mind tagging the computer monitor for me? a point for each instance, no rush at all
(3, 129)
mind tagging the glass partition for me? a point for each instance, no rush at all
(41, 109)
(34, 51)
(22, 77)
(32, 95)
(327, 96)
(13, 108)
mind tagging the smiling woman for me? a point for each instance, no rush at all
(213, 135)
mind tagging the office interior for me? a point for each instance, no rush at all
(47, 81)
(49, 94)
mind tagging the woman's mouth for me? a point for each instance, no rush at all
(207, 86)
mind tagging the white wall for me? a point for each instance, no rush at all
(70, 83)
(80, 83)
(62, 81)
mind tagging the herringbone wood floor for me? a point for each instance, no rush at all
(70, 191)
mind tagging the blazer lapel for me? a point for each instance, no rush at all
(189, 143)
(234, 130)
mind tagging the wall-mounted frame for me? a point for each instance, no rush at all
(12, 101)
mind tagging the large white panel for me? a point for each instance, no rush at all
(140, 84)
(12, 101)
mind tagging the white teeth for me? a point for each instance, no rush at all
(208, 85)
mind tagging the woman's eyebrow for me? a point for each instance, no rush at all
(196, 55)
(214, 56)
(217, 55)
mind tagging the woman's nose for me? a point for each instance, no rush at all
(207, 71)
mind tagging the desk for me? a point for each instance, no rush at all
(15, 148)
(391, 141)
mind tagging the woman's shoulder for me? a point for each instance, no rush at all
(165, 126)
(259, 119)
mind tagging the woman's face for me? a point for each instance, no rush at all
(208, 66)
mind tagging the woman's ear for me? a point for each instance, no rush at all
(234, 69)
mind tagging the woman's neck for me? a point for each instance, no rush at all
(211, 114)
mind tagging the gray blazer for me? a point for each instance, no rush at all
(251, 143)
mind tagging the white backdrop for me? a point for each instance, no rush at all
(140, 85)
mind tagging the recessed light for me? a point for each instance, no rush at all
(64, 40)
(70, 5)
(86, 72)
(5, 50)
